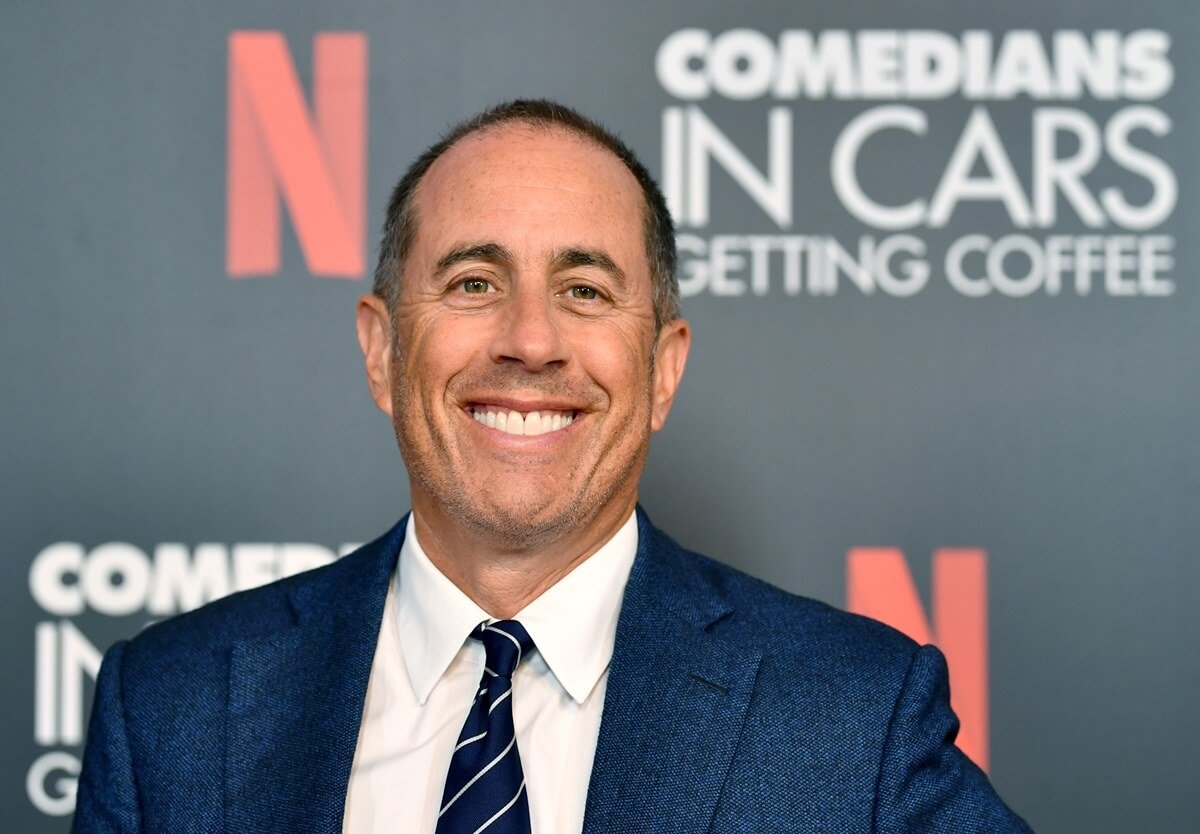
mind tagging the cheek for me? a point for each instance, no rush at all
(433, 351)
(621, 366)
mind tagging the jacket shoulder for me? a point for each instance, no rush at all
(212, 628)
(780, 623)
(850, 708)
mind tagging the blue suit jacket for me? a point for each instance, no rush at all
(731, 707)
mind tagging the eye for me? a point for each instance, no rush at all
(476, 286)
(584, 293)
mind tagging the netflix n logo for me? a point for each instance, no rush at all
(313, 158)
(879, 585)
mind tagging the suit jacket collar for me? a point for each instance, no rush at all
(676, 698)
(296, 697)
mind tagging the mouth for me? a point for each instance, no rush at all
(527, 423)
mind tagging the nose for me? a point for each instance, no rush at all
(528, 333)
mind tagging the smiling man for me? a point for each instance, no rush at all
(525, 652)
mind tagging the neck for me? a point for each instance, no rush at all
(501, 578)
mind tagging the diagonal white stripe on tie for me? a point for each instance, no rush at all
(477, 776)
(500, 813)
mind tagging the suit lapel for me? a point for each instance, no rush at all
(296, 698)
(675, 703)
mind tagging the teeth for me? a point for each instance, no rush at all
(533, 424)
(529, 425)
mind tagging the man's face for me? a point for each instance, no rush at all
(524, 379)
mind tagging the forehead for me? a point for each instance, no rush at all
(532, 187)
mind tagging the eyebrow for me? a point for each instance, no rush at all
(493, 252)
(563, 259)
(567, 258)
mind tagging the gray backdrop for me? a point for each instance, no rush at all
(162, 420)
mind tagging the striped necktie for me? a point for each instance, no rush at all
(485, 788)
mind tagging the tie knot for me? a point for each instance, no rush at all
(505, 642)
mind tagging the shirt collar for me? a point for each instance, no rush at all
(573, 623)
(434, 617)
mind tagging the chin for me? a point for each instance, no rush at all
(515, 525)
(524, 527)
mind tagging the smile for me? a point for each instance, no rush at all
(529, 424)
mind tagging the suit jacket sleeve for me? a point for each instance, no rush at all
(107, 799)
(926, 784)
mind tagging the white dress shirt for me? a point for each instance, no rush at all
(426, 672)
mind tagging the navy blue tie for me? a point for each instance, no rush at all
(485, 788)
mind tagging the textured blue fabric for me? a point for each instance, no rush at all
(731, 707)
(485, 787)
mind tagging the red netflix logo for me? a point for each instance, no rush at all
(879, 585)
(315, 160)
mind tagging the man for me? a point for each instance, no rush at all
(525, 651)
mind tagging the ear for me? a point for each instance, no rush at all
(673, 342)
(375, 338)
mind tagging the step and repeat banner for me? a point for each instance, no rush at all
(940, 262)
